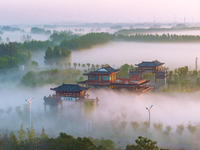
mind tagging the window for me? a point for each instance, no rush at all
(91, 78)
(105, 77)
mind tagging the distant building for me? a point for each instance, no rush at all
(101, 78)
(150, 66)
(154, 67)
(106, 77)
(67, 92)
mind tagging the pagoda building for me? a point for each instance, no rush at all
(154, 67)
(150, 66)
(101, 78)
(67, 92)
(106, 77)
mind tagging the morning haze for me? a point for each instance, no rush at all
(115, 11)
(45, 44)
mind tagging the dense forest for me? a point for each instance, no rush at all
(158, 38)
(34, 45)
(9, 28)
(63, 35)
(179, 27)
(56, 54)
(30, 141)
(86, 41)
(54, 76)
(11, 56)
(37, 30)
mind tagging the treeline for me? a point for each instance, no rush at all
(56, 54)
(30, 141)
(144, 30)
(54, 76)
(37, 30)
(11, 57)
(34, 45)
(86, 41)
(63, 35)
(158, 38)
(9, 28)
(182, 80)
(56, 37)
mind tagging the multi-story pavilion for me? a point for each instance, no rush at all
(106, 77)
(154, 67)
(68, 92)
(101, 78)
(150, 66)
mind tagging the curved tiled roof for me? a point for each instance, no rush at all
(70, 88)
(104, 70)
(150, 63)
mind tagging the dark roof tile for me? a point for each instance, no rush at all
(70, 88)
(150, 63)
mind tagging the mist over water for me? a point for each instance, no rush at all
(114, 107)
(174, 55)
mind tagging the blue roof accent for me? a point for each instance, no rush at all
(104, 70)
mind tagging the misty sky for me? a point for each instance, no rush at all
(115, 11)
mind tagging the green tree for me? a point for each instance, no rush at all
(195, 73)
(14, 141)
(34, 64)
(88, 65)
(143, 144)
(56, 52)
(80, 79)
(43, 134)
(135, 125)
(69, 65)
(8, 110)
(48, 54)
(124, 71)
(167, 130)
(83, 65)
(191, 128)
(65, 52)
(29, 79)
(97, 66)
(180, 129)
(21, 133)
(7, 39)
(31, 134)
(75, 64)
(104, 144)
(158, 126)
(182, 72)
(93, 67)
(123, 125)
